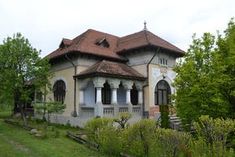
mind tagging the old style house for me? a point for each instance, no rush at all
(99, 74)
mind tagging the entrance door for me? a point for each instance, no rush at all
(162, 93)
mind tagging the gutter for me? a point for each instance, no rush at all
(150, 63)
(148, 75)
(74, 114)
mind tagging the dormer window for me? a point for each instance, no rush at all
(65, 43)
(163, 61)
(102, 43)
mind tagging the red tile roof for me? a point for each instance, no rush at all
(111, 69)
(86, 44)
(142, 39)
(65, 42)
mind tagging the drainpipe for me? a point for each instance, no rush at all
(148, 74)
(74, 114)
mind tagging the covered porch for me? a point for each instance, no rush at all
(109, 94)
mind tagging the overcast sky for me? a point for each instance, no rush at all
(46, 22)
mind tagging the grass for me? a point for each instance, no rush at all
(5, 113)
(17, 142)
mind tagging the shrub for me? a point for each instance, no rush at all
(94, 126)
(122, 119)
(49, 108)
(199, 147)
(214, 130)
(110, 141)
(102, 132)
(138, 138)
(165, 120)
(171, 143)
(213, 133)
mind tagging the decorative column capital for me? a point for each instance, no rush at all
(83, 84)
(127, 84)
(98, 82)
(139, 86)
(114, 83)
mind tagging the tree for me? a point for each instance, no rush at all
(20, 69)
(224, 65)
(205, 81)
(49, 108)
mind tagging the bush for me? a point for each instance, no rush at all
(110, 141)
(139, 138)
(171, 143)
(165, 120)
(122, 119)
(214, 130)
(102, 132)
(94, 126)
(213, 135)
(199, 147)
(146, 139)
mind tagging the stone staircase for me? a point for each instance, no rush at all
(175, 122)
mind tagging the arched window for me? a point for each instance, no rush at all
(59, 91)
(134, 95)
(106, 94)
(162, 93)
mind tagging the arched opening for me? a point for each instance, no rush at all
(121, 95)
(106, 94)
(59, 90)
(89, 94)
(134, 95)
(162, 93)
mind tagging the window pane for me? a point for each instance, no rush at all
(134, 97)
(106, 94)
(155, 96)
(164, 97)
(159, 97)
(59, 91)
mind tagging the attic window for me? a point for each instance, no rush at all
(102, 43)
(65, 43)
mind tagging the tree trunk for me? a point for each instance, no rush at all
(23, 115)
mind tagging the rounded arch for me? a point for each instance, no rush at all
(162, 93)
(134, 95)
(59, 90)
(60, 78)
(89, 93)
(106, 93)
(167, 79)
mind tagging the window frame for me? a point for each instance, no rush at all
(59, 91)
(134, 95)
(106, 94)
(162, 95)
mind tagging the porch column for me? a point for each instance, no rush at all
(140, 97)
(81, 97)
(114, 96)
(139, 87)
(128, 86)
(128, 96)
(98, 95)
(98, 83)
(81, 85)
(114, 83)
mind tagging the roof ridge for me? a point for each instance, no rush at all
(100, 64)
(80, 37)
(102, 32)
(131, 34)
(146, 37)
(164, 40)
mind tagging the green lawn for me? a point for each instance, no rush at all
(17, 142)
